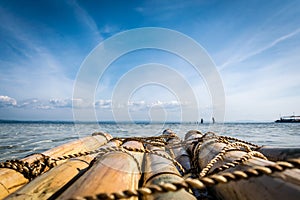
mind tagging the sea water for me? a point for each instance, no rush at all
(19, 139)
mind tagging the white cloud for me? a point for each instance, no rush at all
(29, 103)
(61, 103)
(103, 104)
(166, 105)
(139, 105)
(70, 103)
(44, 107)
(6, 101)
(146, 106)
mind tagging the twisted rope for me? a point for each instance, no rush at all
(220, 156)
(239, 161)
(29, 170)
(36, 168)
(200, 183)
(104, 151)
(239, 140)
(154, 140)
(181, 169)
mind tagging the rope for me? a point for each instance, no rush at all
(100, 156)
(154, 140)
(239, 161)
(102, 134)
(221, 154)
(30, 170)
(200, 183)
(36, 168)
(177, 164)
(238, 144)
(238, 140)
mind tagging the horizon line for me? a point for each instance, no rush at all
(131, 122)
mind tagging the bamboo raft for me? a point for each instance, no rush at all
(202, 166)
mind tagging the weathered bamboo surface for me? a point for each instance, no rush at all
(276, 154)
(191, 135)
(177, 150)
(158, 170)
(12, 180)
(114, 169)
(113, 172)
(279, 185)
(47, 184)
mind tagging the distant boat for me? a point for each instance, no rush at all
(289, 119)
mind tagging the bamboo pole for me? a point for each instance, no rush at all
(278, 185)
(158, 170)
(180, 154)
(47, 184)
(190, 136)
(178, 151)
(12, 180)
(50, 183)
(278, 153)
(113, 172)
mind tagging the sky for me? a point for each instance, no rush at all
(253, 45)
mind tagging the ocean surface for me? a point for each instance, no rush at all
(19, 139)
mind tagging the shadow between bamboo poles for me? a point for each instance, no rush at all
(158, 170)
(11, 180)
(278, 185)
(113, 172)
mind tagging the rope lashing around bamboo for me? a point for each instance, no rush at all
(154, 140)
(223, 139)
(103, 151)
(36, 168)
(102, 134)
(200, 183)
(238, 140)
(32, 170)
(181, 170)
(29, 170)
(127, 150)
(222, 153)
(239, 161)
(100, 155)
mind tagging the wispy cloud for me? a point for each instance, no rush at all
(87, 20)
(38, 62)
(264, 93)
(29, 103)
(240, 58)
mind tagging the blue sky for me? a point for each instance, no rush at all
(255, 46)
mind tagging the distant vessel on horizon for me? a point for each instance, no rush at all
(289, 119)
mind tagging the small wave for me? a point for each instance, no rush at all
(65, 139)
(42, 141)
(7, 147)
